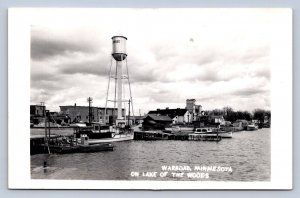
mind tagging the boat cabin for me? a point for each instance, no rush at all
(203, 130)
(93, 131)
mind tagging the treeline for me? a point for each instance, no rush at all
(230, 115)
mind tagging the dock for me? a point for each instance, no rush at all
(160, 135)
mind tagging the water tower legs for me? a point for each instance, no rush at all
(119, 82)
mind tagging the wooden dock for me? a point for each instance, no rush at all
(160, 135)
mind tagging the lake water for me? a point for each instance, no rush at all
(245, 157)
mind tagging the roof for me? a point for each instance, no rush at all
(159, 118)
(119, 36)
(136, 117)
(169, 112)
(37, 105)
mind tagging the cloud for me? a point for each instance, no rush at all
(45, 44)
(220, 61)
(44, 48)
(98, 65)
(249, 92)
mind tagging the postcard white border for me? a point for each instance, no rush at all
(19, 21)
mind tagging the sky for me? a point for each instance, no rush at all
(220, 57)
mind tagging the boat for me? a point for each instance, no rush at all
(205, 134)
(70, 144)
(252, 127)
(213, 132)
(266, 125)
(50, 143)
(81, 148)
(178, 128)
(66, 144)
(63, 149)
(203, 130)
(99, 133)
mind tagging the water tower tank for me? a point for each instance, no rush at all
(119, 47)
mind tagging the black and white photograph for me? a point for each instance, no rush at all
(156, 95)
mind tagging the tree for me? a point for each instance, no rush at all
(247, 115)
(227, 110)
(268, 113)
(216, 112)
(259, 114)
(229, 114)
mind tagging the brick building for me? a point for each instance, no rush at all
(81, 113)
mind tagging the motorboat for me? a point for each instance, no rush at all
(213, 132)
(99, 133)
(252, 127)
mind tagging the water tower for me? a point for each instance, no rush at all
(120, 70)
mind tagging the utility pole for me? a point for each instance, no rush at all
(90, 100)
(75, 116)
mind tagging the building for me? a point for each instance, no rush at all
(37, 113)
(194, 110)
(217, 119)
(37, 110)
(81, 113)
(59, 118)
(209, 121)
(178, 116)
(190, 104)
(110, 115)
(156, 122)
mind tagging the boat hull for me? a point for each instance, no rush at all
(225, 134)
(252, 128)
(115, 138)
(215, 134)
(81, 148)
(204, 137)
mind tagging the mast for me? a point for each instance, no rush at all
(128, 112)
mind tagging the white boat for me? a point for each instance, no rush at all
(205, 134)
(115, 138)
(203, 130)
(179, 128)
(252, 127)
(98, 133)
(213, 132)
